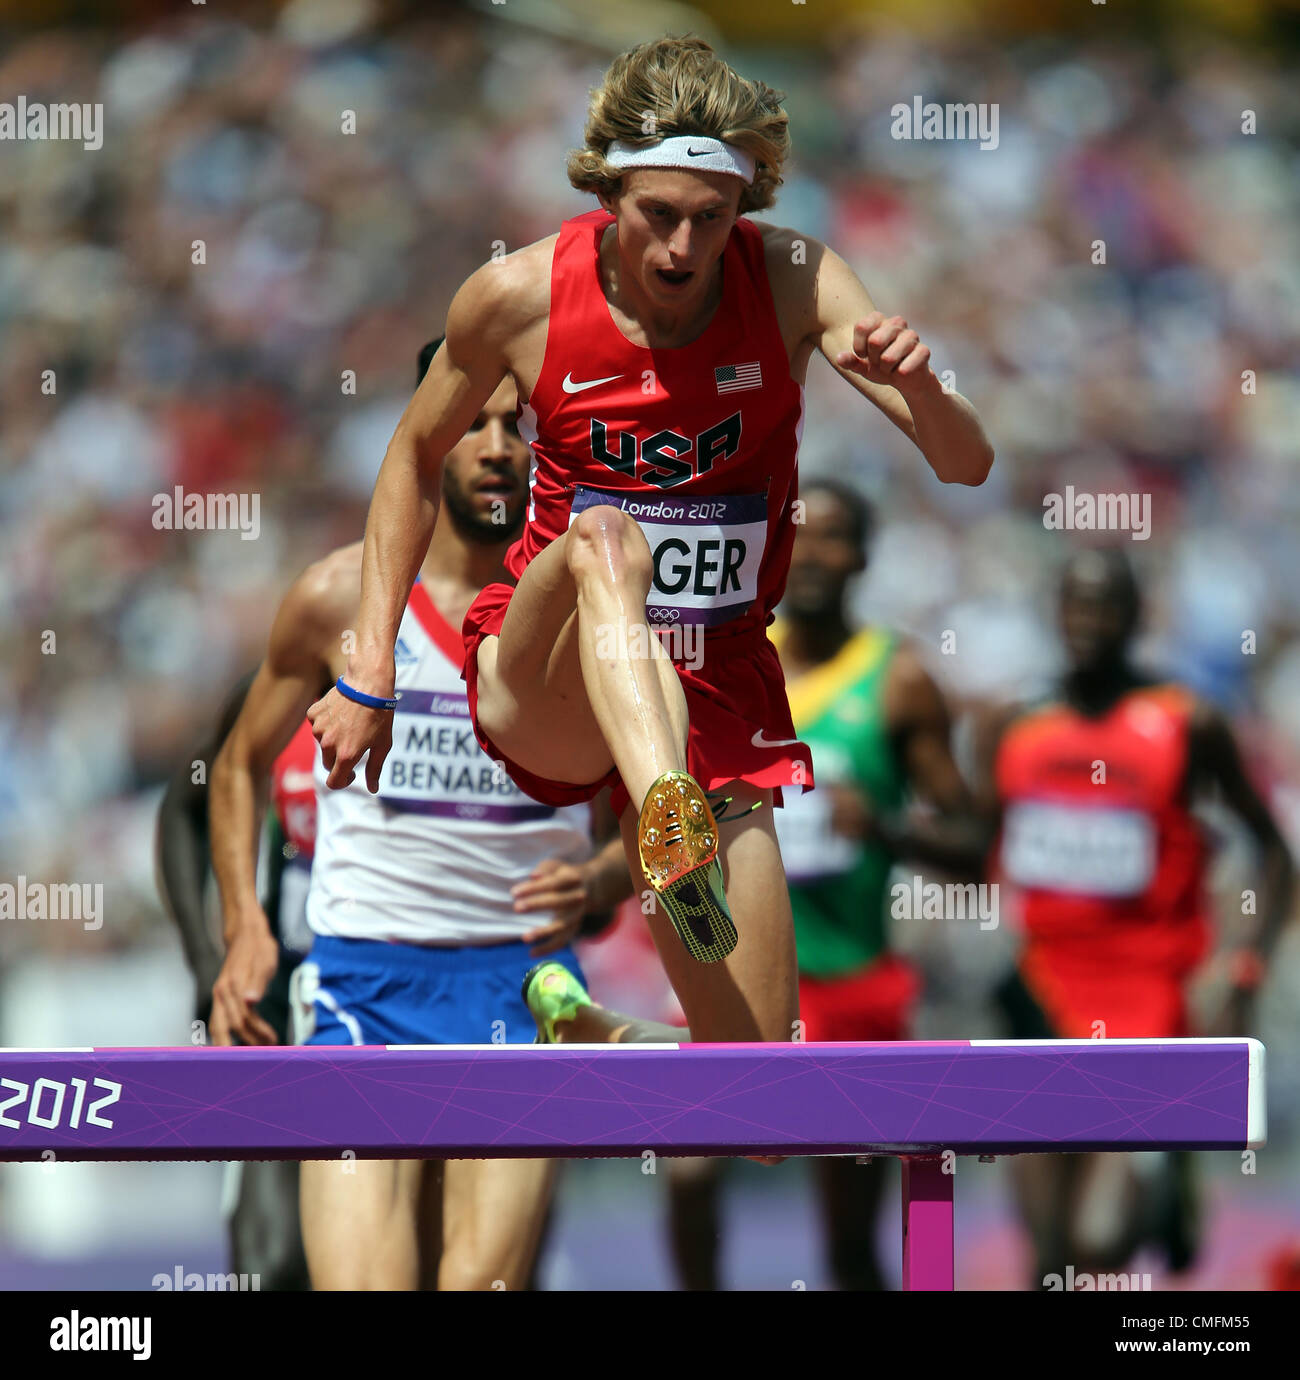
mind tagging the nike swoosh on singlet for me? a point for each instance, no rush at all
(570, 387)
(295, 780)
(759, 741)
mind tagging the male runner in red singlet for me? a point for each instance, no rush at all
(1103, 863)
(659, 346)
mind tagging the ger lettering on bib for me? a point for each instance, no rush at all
(705, 552)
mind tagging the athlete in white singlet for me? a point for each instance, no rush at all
(429, 901)
(429, 853)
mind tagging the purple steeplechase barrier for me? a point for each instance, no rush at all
(915, 1100)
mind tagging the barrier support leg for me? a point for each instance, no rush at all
(927, 1223)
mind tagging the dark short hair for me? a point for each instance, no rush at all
(857, 507)
(426, 358)
(1111, 567)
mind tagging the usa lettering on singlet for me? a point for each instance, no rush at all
(432, 857)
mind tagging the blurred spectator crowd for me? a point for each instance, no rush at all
(206, 286)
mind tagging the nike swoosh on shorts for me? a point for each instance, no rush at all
(759, 741)
(570, 387)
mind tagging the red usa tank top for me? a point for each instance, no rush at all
(698, 444)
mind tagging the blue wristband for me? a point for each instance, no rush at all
(370, 701)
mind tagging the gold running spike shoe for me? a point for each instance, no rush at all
(677, 838)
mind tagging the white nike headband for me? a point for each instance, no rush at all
(697, 152)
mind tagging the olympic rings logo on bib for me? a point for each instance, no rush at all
(706, 553)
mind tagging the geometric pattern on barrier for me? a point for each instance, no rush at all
(977, 1097)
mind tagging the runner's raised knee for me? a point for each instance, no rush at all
(604, 540)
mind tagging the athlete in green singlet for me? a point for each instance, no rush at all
(837, 865)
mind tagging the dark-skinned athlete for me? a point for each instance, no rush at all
(1102, 864)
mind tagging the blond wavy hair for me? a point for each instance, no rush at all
(679, 85)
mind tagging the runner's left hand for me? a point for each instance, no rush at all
(886, 350)
(560, 888)
(852, 816)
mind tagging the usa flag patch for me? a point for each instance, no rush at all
(735, 378)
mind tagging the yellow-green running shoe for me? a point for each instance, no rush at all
(677, 838)
(552, 993)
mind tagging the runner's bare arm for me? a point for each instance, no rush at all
(464, 374)
(989, 723)
(880, 356)
(1218, 763)
(578, 898)
(305, 646)
(958, 837)
(183, 854)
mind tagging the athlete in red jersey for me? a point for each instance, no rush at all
(661, 347)
(1106, 861)
(293, 791)
(1101, 860)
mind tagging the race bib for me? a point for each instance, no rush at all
(436, 766)
(706, 551)
(810, 850)
(1085, 851)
